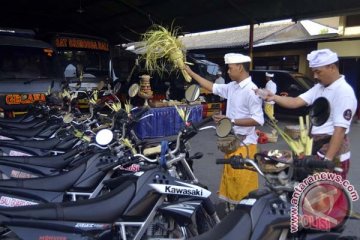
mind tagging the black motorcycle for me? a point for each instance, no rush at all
(147, 204)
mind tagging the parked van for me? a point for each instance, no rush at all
(28, 70)
(288, 83)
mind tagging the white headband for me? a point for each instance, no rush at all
(269, 74)
(236, 58)
(321, 58)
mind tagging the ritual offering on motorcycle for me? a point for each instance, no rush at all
(319, 113)
(278, 160)
(227, 142)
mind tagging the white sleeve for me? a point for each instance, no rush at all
(343, 111)
(310, 95)
(221, 90)
(255, 107)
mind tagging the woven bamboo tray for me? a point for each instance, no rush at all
(173, 103)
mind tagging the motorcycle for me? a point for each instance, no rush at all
(152, 205)
(149, 203)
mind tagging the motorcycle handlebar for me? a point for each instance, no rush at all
(315, 164)
(237, 162)
(202, 123)
(223, 161)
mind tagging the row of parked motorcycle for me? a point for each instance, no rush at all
(72, 175)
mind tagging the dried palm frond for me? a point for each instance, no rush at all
(161, 46)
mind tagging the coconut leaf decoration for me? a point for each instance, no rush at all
(163, 46)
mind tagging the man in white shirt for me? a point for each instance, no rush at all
(271, 86)
(332, 135)
(244, 109)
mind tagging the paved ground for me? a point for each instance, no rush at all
(209, 173)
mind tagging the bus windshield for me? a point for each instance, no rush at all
(92, 64)
(19, 62)
(82, 55)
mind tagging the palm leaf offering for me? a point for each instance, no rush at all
(128, 144)
(127, 106)
(94, 97)
(301, 146)
(184, 114)
(163, 46)
(115, 107)
(81, 135)
(70, 95)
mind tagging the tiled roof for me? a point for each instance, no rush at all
(264, 35)
(231, 38)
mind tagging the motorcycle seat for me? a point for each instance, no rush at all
(57, 161)
(66, 144)
(237, 225)
(23, 125)
(39, 144)
(61, 182)
(106, 208)
(23, 118)
(13, 133)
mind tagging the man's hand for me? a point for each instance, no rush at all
(265, 94)
(188, 70)
(218, 117)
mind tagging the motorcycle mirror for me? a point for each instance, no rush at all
(68, 118)
(319, 111)
(192, 93)
(224, 127)
(133, 90)
(104, 137)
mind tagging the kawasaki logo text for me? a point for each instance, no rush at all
(192, 192)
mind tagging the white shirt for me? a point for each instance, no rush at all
(242, 103)
(220, 80)
(342, 101)
(271, 86)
